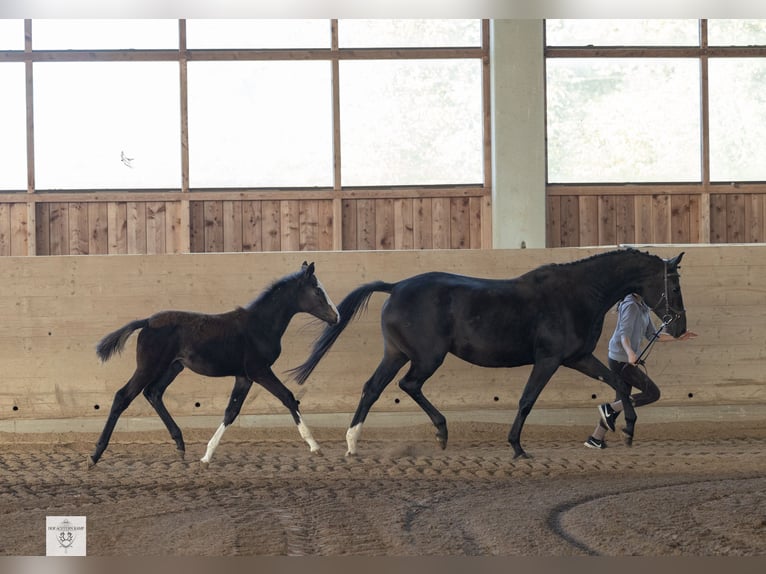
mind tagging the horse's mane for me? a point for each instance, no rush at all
(273, 287)
(598, 256)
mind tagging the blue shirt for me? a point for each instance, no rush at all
(633, 321)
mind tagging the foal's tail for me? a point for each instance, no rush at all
(353, 304)
(114, 342)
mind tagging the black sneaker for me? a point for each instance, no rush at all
(593, 442)
(608, 415)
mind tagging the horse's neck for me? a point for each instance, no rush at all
(273, 311)
(624, 279)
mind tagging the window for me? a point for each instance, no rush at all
(260, 124)
(104, 34)
(623, 120)
(13, 119)
(11, 34)
(257, 34)
(411, 122)
(411, 33)
(107, 125)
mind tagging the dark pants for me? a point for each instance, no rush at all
(637, 379)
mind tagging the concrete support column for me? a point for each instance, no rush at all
(518, 133)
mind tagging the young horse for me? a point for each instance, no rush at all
(242, 343)
(548, 317)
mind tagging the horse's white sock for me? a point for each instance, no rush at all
(352, 436)
(306, 435)
(213, 443)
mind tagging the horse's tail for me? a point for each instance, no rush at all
(114, 342)
(351, 306)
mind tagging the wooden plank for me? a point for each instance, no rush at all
(680, 219)
(422, 223)
(365, 224)
(460, 226)
(232, 226)
(348, 222)
(213, 226)
(136, 227)
(553, 222)
(440, 213)
(290, 220)
(326, 217)
(59, 229)
(569, 222)
(252, 226)
(98, 224)
(308, 228)
(695, 219)
(155, 227)
(5, 229)
(174, 242)
(78, 229)
(403, 224)
(19, 229)
(589, 220)
(271, 214)
(718, 218)
(117, 227)
(661, 219)
(607, 221)
(475, 210)
(625, 220)
(384, 224)
(735, 218)
(197, 226)
(643, 213)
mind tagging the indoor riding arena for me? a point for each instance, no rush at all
(195, 165)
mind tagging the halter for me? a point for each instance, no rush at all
(671, 313)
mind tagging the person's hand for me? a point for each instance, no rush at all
(687, 335)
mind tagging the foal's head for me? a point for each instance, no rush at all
(662, 292)
(311, 297)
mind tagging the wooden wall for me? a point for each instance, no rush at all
(55, 309)
(592, 215)
(168, 222)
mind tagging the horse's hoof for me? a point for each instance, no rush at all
(442, 442)
(627, 438)
(181, 454)
(317, 452)
(350, 455)
(91, 462)
(522, 455)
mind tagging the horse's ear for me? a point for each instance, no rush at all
(675, 261)
(308, 269)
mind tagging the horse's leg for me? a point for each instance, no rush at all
(238, 394)
(122, 398)
(269, 381)
(383, 375)
(153, 393)
(542, 371)
(595, 369)
(412, 384)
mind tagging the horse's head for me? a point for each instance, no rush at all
(663, 294)
(312, 298)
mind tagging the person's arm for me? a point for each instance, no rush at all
(632, 357)
(667, 337)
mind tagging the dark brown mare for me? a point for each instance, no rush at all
(242, 343)
(548, 317)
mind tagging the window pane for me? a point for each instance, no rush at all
(275, 34)
(736, 32)
(13, 134)
(737, 119)
(260, 124)
(623, 120)
(107, 125)
(104, 34)
(411, 122)
(622, 32)
(11, 34)
(408, 33)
